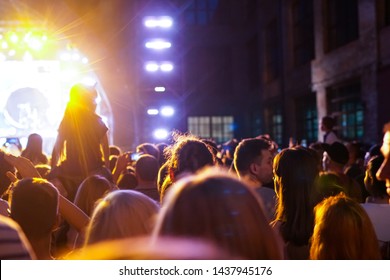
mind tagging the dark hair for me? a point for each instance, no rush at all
(34, 206)
(188, 154)
(247, 151)
(296, 171)
(328, 122)
(215, 205)
(150, 149)
(146, 168)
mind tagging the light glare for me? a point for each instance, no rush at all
(167, 111)
(152, 112)
(154, 22)
(158, 44)
(160, 134)
(151, 67)
(159, 89)
(166, 67)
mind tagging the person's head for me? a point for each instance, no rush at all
(34, 206)
(253, 159)
(161, 148)
(90, 191)
(335, 157)
(34, 142)
(127, 181)
(374, 187)
(374, 150)
(295, 174)
(121, 214)
(83, 96)
(216, 206)
(327, 123)
(187, 155)
(330, 184)
(146, 168)
(343, 231)
(149, 149)
(115, 150)
(383, 173)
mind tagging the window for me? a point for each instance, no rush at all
(274, 123)
(303, 33)
(345, 104)
(219, 128)
(307, 121)
(200, 12)
(271, 51)
(341, 22)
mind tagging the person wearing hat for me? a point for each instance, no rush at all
(334, 160)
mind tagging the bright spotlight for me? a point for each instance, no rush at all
(151, 67)
(160, 134)
(76, 56)
(2, 57)
(27, 56)
(159, 89)
(167, 111)
(154, 22)
(89, 81)
(4, 45)
(14, 38)
(65, 56)
(35, 44)
(158, 44)
(152, 112)
(11, 52)
(166, 67)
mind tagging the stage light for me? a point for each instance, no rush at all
(166, 67)
(160, 134)
(151, 67)
(2, 57)
(158, 44)
(11, 52)
(152, 112)
(14, 38)
(35, 44)
(4, 45)
(65, 56)
(159, 89)
(27, 56)
(167, 111)
(89, 81)
(155, 22)
(84, 60)
(76, 56)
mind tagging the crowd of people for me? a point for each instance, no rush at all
(192, 198)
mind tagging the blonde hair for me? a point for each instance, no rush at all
(90, 191)
(343, 230)
(121, 214)
(214, 205)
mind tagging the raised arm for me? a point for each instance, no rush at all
(70, 212)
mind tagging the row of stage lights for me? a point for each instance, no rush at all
(29, 45)
(161, 23)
